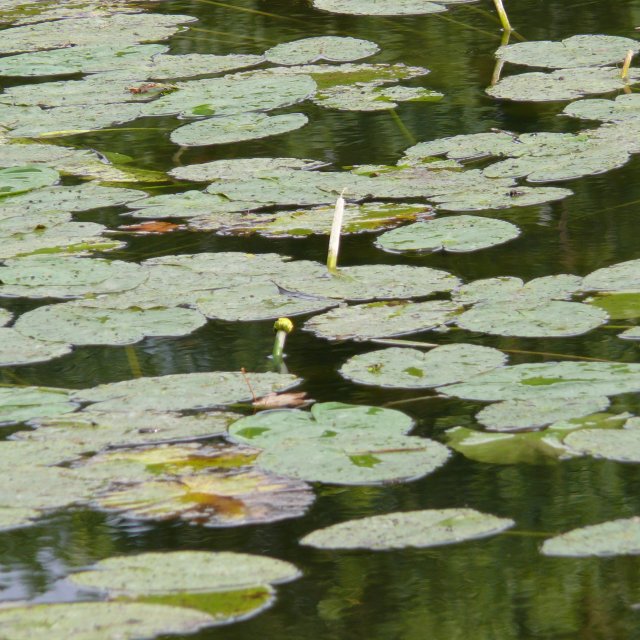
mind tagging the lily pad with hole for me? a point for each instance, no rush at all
(563, 84)
(79, 324)
(330, 48)
(550, 380)
(18, 404)
(16, 349)
(355, 459)
(624, 108)
(371, 97)
(384, 7)
(180, 392)
(613, 538)
(457, 234)
(515, 415)
(190, 571)
(398, 367)
(428, 528)
(576, 51)
(620, 277)
(237, 128)
(325, 420)
(19, 179)
(43, 276)
(381, 319)
(92, 620)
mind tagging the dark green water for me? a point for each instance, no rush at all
(495, 589)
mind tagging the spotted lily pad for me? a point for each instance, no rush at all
(411, 368)
(331, 48)
(454, 234)
(428, 528)
(624, 108)
(169, 67)
(18, 404)
(613, 538)
(179, 392)
(25, 178)
(244, 126)
(384, 7)
(381, 319)
(576, 51)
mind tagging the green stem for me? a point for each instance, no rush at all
(401, 125)
(502, 14)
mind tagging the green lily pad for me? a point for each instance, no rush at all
(464, 147)
(624, 108)
(618, 306)
(17, 518)
(533, 320)
(371, 97)
(169, 67)
(116, 28)
(576, 51)
(623, 276)
(454, 234)
(563, 84)
(428, 528)
(326, 420)
(613, 538)
(80, 324)
(514, 415)
(384, 7)
(17, 349)
(93, 620)
(381, 319)
(18, 404)
(354, 460)
(42, 276)
(621, 445)
(550, 380)
(331, 48)
(630, 334)
(192, 571)
(178, 392)
(5, 316)
(414, 369)
(25, 178)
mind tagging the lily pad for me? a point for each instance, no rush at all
(576, 51)
(613, 538)
(17, 349)
(25, 178)
(169, 67)
(623, 109)
(618, 306)
(563, 84)
(16, 518)
(383, 7)
(454, 234)
(92, 620)
(428, 528)
(331, 48)
(514, 415)
(413, 369)
(621, 445)
(193, 571)
(623, 276)
(464, 147)
(178, 392)
(18, 404)
(630, 334)
(381, 319)
(371, 97)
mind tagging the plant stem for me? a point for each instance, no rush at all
(624, 74)
(282, 327)
(502, 14)
(334, 238)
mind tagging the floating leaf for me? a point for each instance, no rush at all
(411, 368)
(381, 319)
(383, 7)
(18, 349)
(153, 227)
(464, 147)
(245, 126)
(281, 400)
(618, 306)
(169, 67)
(18, 404)
(97, 620)
(16, 518)
(623, 276)
(331, 48)
(624, 108)
(576, 51)
(371, 97)
(613, 538)
(25, 178)
(513, 415)
(622, 445)
(630, 334)
(499, 198)
(178, 392)
(455, 234)
(428, 528)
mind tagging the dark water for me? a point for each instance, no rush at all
(495, 589)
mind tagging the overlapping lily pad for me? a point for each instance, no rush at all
(624, 108)
(613, 538)
(19, 179)
(330, 48)
(411, 368)
(16, 348)
(619, 306)
(454, 234)
(18, 404)
(371, 97)
(428, 528)
(16, 517)
(384, 8)
(622, 445)
(623, 276)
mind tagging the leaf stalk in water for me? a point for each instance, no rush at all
(334, 238)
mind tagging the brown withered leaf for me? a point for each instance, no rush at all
(152, 226)
(280, 400)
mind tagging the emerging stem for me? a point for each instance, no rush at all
(502, 14)
(334, 238)
(624, 73)
(282, 327)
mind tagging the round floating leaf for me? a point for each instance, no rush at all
(428, 528)
(576, 51)
(464, 147)
(193, 571)
(550, 380)
(25, 178)
(18, 349)
(455, 234)
(512, 415)
(564, 84)
(381, 319)
(100, 620)
(411, 368)
(623, 276)
(622, 445)
(352, 459)
(331, 48)
(16, 518)
(546, 319)
(178, 392)
(371, 97)
(630, 334)
(384, 7)
(18, 404)
(245, 126)
(79, 324)
(613, 538)
(624, 108)
(168, 67)
(325, 421)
